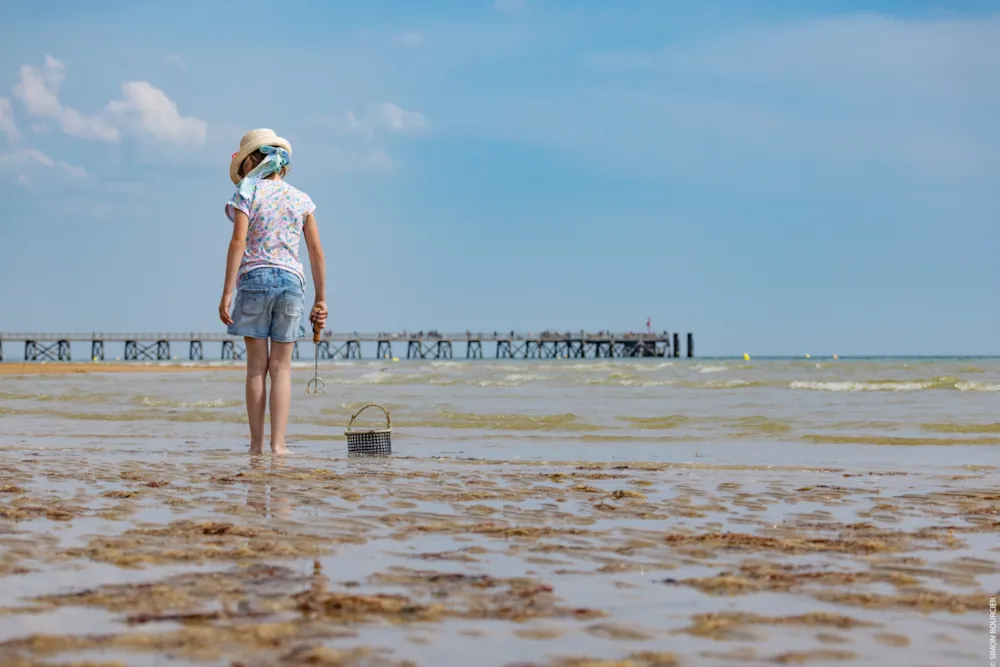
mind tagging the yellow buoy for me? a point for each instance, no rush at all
(836, 357)
(746, 357)
(808, 356)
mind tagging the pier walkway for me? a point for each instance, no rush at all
(152, 346)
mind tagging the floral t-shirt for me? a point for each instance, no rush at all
(276, 211)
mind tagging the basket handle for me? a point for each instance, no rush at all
(388, 420)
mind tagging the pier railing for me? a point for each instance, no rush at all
(156, 346)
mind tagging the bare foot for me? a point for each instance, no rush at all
(256, 451)
(279, 448)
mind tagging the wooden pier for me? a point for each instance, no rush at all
(419, 345)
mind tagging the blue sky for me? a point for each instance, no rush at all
(776, 177)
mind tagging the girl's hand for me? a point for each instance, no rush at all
(318, 314)
(224, 309)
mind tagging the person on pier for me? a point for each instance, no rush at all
(269, 218)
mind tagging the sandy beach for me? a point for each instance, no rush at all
(72, 368)
(649, 515)
(411, 561)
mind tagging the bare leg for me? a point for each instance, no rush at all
(257, 361)
(279, 367)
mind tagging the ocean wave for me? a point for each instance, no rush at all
(626, 382)
(759, 425)
(523, 377)
(504, 368)
(663, 423)
(967, 385)
(622, 378)
(711, 369)
(851, 385)
(156, 402)
(151, 402)
(383, 376)
(731, 384)
(946, 382)
(594, 366)
(215, 403)
(651, 368)
(509, 380)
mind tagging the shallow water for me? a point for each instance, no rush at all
(762, 512)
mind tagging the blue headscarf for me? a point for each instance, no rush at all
(276, 160)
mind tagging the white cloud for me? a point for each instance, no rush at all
(361, 135)
(508, 5)
(144, 107)
(385, 116)
(39, 91)
(22, 160)
(396, 119)
(7, 125)
(156, 114)
(350, 124)
(25, 162)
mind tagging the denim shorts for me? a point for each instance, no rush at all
(270, 303)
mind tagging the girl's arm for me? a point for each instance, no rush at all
(237, 245)
(318, 265)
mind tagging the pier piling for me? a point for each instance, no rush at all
(35, 350)
(233, 351)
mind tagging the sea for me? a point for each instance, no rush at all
(771, 411)
(642, 512)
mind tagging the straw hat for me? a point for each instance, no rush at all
(250, 142)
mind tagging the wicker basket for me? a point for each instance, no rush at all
(373, 442)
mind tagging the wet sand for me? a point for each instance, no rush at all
(533, 515)
(215, 559)
(64, 368)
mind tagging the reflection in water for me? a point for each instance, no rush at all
(262, 487)
(376, 462)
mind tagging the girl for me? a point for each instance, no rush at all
(269, 217)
